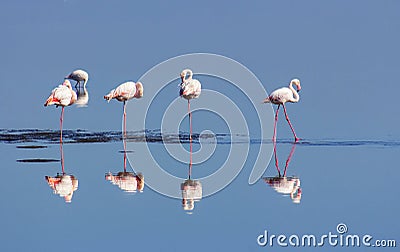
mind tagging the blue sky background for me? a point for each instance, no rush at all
(345, 53)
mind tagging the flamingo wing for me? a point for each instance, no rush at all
(123, 92)
(190, 89)
(281, 95)
(60, 96)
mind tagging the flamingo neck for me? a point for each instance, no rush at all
(296, 96)
(189, 77)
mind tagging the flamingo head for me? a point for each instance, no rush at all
(139, 90)
(184, 73)
(296, 82)
(109, 96)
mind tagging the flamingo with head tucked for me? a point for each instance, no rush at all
(63, 96)
(78, 76)
(280, 97)
(189, 89)
(125, 92)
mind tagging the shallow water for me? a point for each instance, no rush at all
(340, 181)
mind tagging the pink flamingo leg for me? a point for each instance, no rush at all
(276, 120)
(61, 122)
(124, 136)
(296, 139)
(124, 129)
(190, 139)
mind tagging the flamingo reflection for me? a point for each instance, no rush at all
(126, 181)
(191, 189)
(63, 184)
(82, 96)
(282, 183)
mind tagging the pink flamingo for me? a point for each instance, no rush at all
(63, 96)
(189, 89)
(280, 97)
(78, 76)
(125, 92)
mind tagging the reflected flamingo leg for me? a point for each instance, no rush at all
(288, 159)
(62, 158)
(124, 157)
(276, 160)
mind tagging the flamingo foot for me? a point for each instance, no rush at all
(296, 139)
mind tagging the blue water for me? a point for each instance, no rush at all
(342, 181)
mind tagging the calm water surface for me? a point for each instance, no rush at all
(327, 182)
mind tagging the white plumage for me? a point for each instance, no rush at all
(78, 76)
(283, 95)
(82, 97)
(126, 91)
(63, 95)
(280, 97)
(190, 88)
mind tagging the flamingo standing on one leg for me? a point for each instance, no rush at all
(63, 96)
(125, 92)
(189, 89)
(78, 76)
(280, 97)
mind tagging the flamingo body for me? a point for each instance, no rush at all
(280, 97)
(78, 76)
(190, 88)
(63, 95)
(126, 91)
